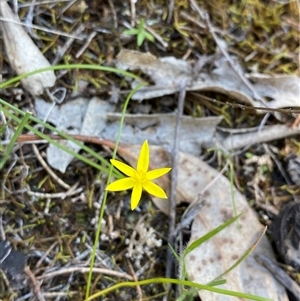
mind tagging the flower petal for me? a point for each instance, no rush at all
(154, 189)
(120, 185)
(136, 195)
(143, 160)
(156, 173)
(126, 169)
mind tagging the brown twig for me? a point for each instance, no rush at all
(138, 288)
(36, 284)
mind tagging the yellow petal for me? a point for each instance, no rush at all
(154, 189)
(143, 160)
(156, 173)
(120, 185)
(126, 169)
(136, 195)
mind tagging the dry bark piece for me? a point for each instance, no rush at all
(24, 56)
(286, 234)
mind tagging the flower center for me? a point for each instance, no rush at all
(141, 177)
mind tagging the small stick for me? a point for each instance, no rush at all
(170, 11)
(60, 195)
(205, 17)
(113, 10)
(36, 284)
(138, 288)
(48, 169)
(157, 36)
(175, 155)
(133, 13)
(86, 270)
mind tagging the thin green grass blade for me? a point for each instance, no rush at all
(12, 142)
(72, 66)
(54, 142)
(243, 257)
(96, 242)
(176, 281)
(210, 234)
(174, 253)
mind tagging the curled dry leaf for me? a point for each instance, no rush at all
(215, 256)
(24, 56)
(216, 75)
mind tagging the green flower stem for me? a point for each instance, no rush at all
(96, 242)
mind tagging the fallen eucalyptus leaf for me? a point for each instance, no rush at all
(195, 133)
(279, 91)
(219, 253)
(79, 116)
(24, 56)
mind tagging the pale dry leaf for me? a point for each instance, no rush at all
(195, 133)
(279, 91)
(80, 116)
(218, 254)
(24, 56)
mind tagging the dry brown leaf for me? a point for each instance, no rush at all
(24, 56)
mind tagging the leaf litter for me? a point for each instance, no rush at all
(212, 74)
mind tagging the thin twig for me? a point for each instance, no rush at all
(86, 270)
(138, 288)
(36, 284)
(48, 169)
(57, 32)
(60, 195)
(113, 10)
(157, 36)
(175, 155)
(86, 44)
(170, 11)
(68, 43)
(133, 13)
(40, 261)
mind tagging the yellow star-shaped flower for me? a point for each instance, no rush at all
(139, 178)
